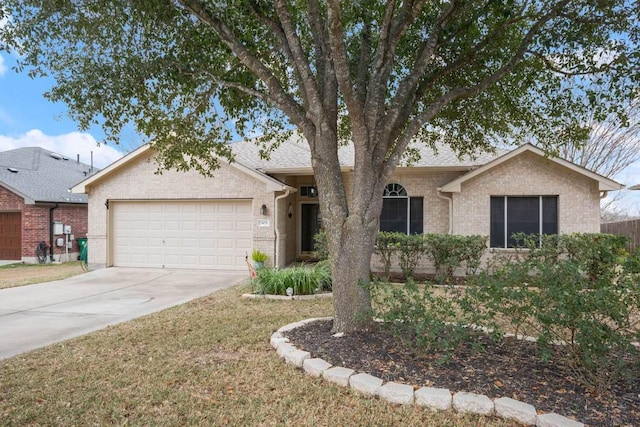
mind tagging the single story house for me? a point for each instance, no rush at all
(34, 196)
(175, 219)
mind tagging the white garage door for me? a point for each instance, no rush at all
(197, 234)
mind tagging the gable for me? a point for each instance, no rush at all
(537, 158)
(140, 163)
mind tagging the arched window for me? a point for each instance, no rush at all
(400, 212)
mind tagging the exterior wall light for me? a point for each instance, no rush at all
(263, 210)
(290, 210)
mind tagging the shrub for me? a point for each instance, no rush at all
(386, 247)
(321, 245)
(425, 317)
(596, 254)
(258, 256)
(304, 279)
(448, 251)
(571, 289)
(410, 249)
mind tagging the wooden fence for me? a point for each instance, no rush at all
(630, 229)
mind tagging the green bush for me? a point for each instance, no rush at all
(448, 251)
(321, 245)
(304, 279)
(573, 289)
(425, 317)
(259, 256)
(386, 247)
(597, 255)
(411, 248)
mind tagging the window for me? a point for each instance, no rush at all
(530, 215)
(309, 191)
(400, 212)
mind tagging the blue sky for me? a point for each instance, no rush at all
(28, 119)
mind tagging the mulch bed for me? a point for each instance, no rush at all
(510, 368)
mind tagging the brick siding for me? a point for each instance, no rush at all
(35, 222)
(138, 180)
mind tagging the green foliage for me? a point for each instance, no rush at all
(181, 75)
(587, 297)
(447, 252)
(258, 256)
(304, 279)
(410, 250)
(426, 317)
(597, 255)
(321, 245)
(582, 305)
(192, 76)
(386, 246)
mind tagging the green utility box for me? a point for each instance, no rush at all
(82, 244)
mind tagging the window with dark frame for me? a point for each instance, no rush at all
(521, 214)
(401, 213)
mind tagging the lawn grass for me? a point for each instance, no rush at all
(207, 362)
(19, 274)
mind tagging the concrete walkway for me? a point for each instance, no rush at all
(37, 315)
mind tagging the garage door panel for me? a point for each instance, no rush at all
(200, 234)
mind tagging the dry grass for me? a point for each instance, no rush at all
(207, 362)
(13, 275)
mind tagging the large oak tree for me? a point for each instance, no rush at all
(190, 74)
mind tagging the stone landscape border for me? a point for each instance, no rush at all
(285, 297)
(405, 394)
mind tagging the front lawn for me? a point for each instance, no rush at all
(207, 362)
(12, 275)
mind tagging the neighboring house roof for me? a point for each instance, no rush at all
(635, 187)
(40, 175)
(293, 155)
(604, 183)
(272, 183)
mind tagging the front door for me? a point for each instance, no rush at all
(310, 225)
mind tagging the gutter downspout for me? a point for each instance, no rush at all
(275, 226)
(51, 231)
(603, 194)
(450, 200)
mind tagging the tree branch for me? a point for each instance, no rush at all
(277, 94)
(300, 62)
(458, 93)
(393, 29)
(341, 66)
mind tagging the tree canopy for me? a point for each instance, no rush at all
(193, 74)
(462, 72)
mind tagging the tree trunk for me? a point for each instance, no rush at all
(351, 269)
(351, 224)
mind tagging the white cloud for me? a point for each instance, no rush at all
(68, 145)
(3, 67)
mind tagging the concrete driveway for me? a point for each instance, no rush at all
(37, 315)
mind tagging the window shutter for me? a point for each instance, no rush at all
(497, 223)
(416, 215)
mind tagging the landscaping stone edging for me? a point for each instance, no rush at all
(404, 394)
(292, 297)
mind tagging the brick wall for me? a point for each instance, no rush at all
(35, 222)
(35, 226)
(528, 175)
(139, 181)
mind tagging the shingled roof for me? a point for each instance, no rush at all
(41, 175)
(294, 153)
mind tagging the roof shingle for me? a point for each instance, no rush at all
(42, 175)
(294, 153)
